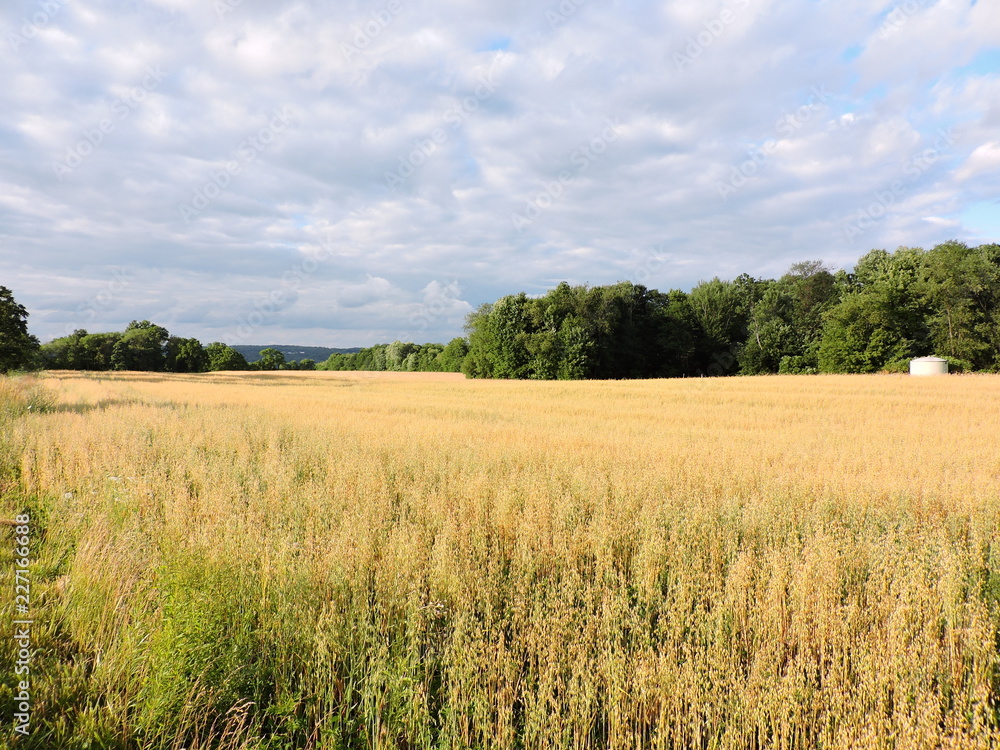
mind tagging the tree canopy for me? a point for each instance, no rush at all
(142, 346)
(18, 348)
(401, 356)
(891, 308)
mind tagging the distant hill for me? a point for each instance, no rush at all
(318, 353)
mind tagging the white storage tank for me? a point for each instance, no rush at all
(929, 366)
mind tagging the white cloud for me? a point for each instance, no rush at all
(985, 158)
(415, 78)
(950, 224)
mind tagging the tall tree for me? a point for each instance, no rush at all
(785, 322)
(722, 309)
(961, 286)
(681, 340)
(18, 348)
(453, 355)
(396, 355)
(881, 319)
(142, 347)
(576, 347)
(270, 359)
(771, 335)
(185, 355)
(61, 353)
(224, 357)
(94, 351)
(508, 321)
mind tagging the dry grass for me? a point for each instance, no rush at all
(392, 560)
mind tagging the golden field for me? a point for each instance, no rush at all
(361, 560)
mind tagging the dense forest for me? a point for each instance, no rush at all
(403, 357)
(142, 346)
(890, 308)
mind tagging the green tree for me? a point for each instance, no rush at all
(61, 353)
(224, 357)
(453, 355)
(786, 319)
(396, 354)
(81, 351)
(813, 287)
(866, 333)
(95, 351)
(722, 309)
(375, 359)
(508, 323)
(186, 355)
(880, 319)
(18, 348)
(619, 331)
(270, 359)
(337, 362)
(141, 347)
(961, 287)
(482, 347)
(620, 324)
(575, 349)
(681, 342)
(427, 358)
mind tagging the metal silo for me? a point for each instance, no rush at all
(929, 366)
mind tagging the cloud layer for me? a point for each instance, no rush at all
(312, 173)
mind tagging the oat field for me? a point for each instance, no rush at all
(344, 560)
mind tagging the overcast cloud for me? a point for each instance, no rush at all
(348, 173)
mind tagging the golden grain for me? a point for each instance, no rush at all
(421, 560)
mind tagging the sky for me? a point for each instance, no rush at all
(348, 173)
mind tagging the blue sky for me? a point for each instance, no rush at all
(262, 171)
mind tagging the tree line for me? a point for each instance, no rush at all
(146, 347)
(891, 308)
(402, 356)
(142, 346)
